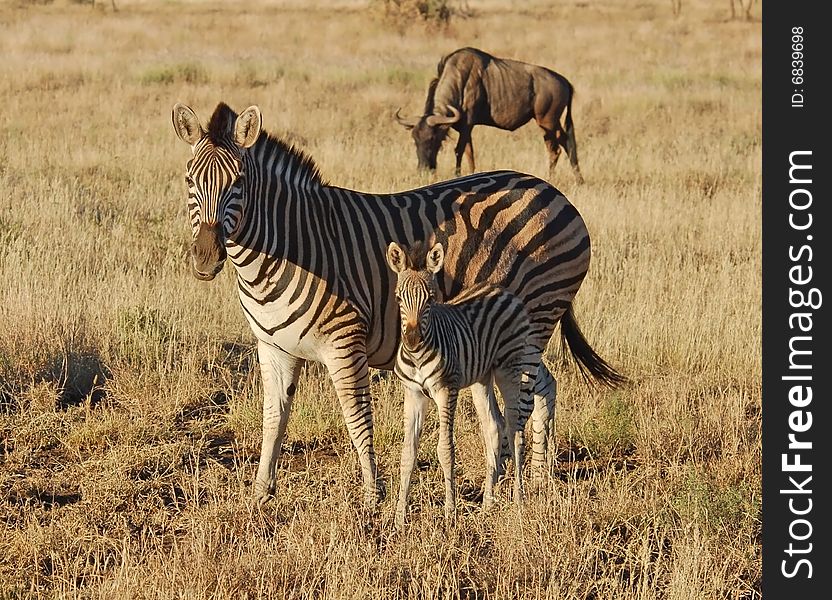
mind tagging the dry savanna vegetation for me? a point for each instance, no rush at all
(129, 394)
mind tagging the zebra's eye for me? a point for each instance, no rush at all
(189, 181)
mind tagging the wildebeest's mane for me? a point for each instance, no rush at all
(429, 100)
(219, 131)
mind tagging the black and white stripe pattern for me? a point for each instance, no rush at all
(311, 272)
(481, 337)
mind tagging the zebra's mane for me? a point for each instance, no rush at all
(417, 253)
(301, 164)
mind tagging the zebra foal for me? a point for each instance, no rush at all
(479, 337)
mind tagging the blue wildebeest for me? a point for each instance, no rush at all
(474, 88)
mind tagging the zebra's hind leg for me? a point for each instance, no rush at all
(280, 373)
(491, 426)
(515, 384)
(543, 421)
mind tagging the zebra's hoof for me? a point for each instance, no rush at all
(262, 493)
(398, 520)
(375, 495)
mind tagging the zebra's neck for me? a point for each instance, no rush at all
(283, 210)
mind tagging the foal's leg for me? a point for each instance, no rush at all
(446, 405)
(414, 418)
(491, 425)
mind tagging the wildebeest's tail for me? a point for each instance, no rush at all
(571, 144)
(589, 362)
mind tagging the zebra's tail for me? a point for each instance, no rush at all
(589, 362)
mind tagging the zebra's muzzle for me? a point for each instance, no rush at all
(208, 252)
(411, 337)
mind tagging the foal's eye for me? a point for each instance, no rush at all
(189, 181)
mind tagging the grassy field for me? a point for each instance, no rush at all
(129, 398)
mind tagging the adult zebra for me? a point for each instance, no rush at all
(312, 275)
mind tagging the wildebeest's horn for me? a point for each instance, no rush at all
(409, 123)
(444, 120)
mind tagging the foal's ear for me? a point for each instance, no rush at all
(396, 257)
(248, 126)
(435, 258)
(186, 124)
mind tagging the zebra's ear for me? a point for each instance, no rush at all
(396, 257)
(186, 124)
(248, 126)
(435, 258)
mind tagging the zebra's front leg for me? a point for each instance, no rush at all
(414, 418)
(350, 376)
(279, 371)
(446, 405)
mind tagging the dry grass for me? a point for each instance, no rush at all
(129, 405)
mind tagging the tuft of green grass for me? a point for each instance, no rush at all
(611, 431)
(717, 507)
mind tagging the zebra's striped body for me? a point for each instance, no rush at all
(311, 272)
(478, 338)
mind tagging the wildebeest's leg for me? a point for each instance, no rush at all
(280, 375)
(414, 418)
(492, 426)
(350, 375)
(464, 146)
(552, 139)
